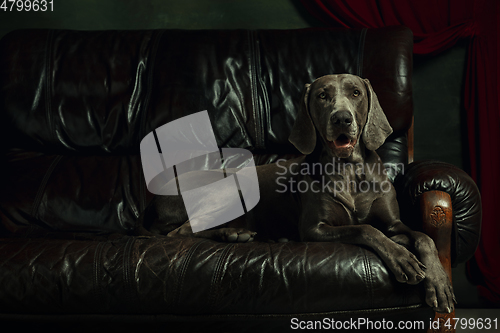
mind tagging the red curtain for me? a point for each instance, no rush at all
(437, 25)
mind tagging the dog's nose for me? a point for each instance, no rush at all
(342, 118)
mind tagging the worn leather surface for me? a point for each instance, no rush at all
(60, 94)
(74, 106)
(126, 274)
(77, 103)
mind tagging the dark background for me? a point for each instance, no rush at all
(437, 81)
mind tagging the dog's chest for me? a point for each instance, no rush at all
(355, 192)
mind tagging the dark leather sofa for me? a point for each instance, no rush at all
(74, 106)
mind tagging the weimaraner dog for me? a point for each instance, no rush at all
(336, 192)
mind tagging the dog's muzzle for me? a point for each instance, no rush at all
(341, 134)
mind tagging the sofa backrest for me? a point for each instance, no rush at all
(74, 106)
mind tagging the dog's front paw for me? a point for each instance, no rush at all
(438, 289)
(404, 264)
(236, 235)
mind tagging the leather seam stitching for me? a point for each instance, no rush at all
(264, 107)
(256, 112)
(49, 46)
(217, 277)
(369, 280)
(173, 317)
(180, 281)
(98, 291)
(129, 287)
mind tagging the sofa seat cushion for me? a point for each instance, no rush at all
(160, 275)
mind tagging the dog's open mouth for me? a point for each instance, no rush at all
(342, 142)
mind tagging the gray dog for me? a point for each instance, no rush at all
(336, 192)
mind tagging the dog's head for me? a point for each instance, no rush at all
(344, 109)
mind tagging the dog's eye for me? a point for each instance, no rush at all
(322, 95)
(356, 93)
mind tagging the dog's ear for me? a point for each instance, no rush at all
(377, 127)
(303, 135)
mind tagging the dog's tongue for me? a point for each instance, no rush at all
(342, 142)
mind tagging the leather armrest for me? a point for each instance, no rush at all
(424, 176)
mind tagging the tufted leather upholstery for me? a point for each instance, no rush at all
(74, 106)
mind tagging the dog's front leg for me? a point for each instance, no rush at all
(404, 264)
(439, 290)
